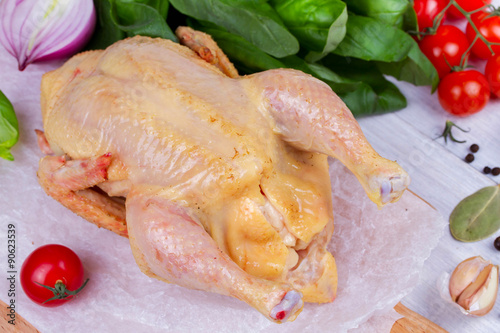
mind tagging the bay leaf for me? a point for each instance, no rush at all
(477, 216)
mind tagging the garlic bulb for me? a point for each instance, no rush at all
(34, 30)
(474, 285)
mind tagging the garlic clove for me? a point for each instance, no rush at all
(464, 274)
(488, 296)
(474, 291)
(474, 285)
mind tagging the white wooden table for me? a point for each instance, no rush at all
(442, 177)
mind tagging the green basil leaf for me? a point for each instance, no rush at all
(362, 98)
(374, 94)
(9, 128)
(410, 23)
(106, 32)
(369, 39)
(387, 11)
(117, 19)
(477, 216)
(161, 6)
(138, 18)
(255, 20)
(416, 69)
(319, 25)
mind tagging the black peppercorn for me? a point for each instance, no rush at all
(487, 170)
(474, 148)
(495, 171)
(497, 243)
(469, 158)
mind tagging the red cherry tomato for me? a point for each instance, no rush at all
(490, 29)
(445, 48)
(463, 93)
(492, 72)
(467, 5)
(54, 266)
(427, 10)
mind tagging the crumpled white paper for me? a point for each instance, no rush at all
(379, 253)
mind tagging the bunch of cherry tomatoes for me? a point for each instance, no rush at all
(462, 91)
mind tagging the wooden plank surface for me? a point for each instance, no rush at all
(21, 325)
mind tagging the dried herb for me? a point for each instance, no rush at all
(477, 216)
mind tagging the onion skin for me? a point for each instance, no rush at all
(41, 30)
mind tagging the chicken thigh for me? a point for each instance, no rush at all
(220, 182)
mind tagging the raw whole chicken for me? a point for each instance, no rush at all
(220, 182)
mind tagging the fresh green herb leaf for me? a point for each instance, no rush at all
(106, 32)
(415, 68)
(318, 25)
(410, 23)
(146, 18)
(9, 128)
(118, 19)
(369, 39)
(254, 20)
(477, 216)
(387, 11)
(374, 95)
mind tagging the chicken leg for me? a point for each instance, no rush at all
(171, 245)
(311, 117)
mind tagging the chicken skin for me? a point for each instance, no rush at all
(220, 182)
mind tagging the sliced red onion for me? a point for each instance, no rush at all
(35, 30)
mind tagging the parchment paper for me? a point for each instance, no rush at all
(379, 253)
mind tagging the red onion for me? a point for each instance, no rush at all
(35, 30)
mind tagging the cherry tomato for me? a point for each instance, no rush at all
(463, 93)
(427, 10)
(490, 29)
(492, 72)
(467, 5)
(53, 266)
(445, 48)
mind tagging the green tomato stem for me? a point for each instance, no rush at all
(447, 132)
(60, 291)
(476, 30)
(439, 18)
